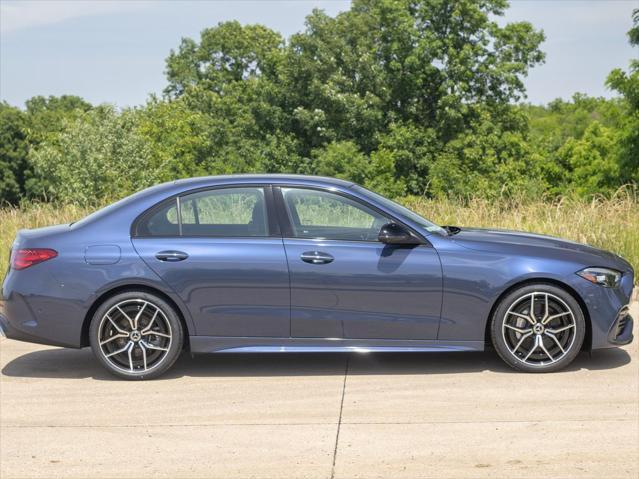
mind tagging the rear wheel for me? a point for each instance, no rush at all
(136, 335)
(538, 328)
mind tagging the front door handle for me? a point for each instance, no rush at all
(316, 257)
(171, 256)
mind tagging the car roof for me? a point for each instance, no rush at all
(262, 178)
(145, 198)
(185, 184)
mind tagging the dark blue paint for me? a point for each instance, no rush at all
(231, 287)
(258, 294)
(102, 254)
(369, 291)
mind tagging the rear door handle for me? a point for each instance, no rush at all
(316, 257)
(171, 256)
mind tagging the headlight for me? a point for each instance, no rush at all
(609, 278)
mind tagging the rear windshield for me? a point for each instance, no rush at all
(96, 215)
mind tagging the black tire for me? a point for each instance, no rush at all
(152, 346)
(538, 347)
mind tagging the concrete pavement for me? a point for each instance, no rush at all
(342, 416)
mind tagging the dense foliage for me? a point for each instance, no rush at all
(408, 97)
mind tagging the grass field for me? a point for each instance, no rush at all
(611, 223)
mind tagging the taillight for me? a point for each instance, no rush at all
(23, 258)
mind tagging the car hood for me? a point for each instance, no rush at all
(494, 240)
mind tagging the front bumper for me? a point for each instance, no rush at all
(606, 308)
(620, 333)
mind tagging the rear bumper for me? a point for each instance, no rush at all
(35, 307)
(7, 330)
(10, 331)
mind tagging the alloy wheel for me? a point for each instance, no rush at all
(539, 329)
(135, 336)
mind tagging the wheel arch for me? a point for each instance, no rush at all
(587, 344)
(84, 338)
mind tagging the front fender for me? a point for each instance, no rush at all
(475, 280)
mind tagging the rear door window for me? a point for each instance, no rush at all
(225, 212)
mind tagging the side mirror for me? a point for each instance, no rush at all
(392, 233)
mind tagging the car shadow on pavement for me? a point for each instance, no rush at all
(80, 364)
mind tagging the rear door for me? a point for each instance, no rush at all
(221, 251)
(347, 284)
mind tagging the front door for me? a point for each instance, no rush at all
(217, 250)
(347, 284)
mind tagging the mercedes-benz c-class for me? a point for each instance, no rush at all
(278, 263)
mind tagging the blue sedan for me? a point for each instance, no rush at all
(279, 263)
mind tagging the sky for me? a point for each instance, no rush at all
(113, 51)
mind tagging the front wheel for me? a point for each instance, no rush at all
(136, 335)
(538, 328)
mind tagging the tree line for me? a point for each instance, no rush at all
(407, 97)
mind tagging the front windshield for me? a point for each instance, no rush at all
(404, 212)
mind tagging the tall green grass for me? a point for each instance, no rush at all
(608, 223)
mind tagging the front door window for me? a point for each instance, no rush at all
(319, 214)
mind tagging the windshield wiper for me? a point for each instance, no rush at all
(452, 230)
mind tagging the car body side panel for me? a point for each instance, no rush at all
(51, 300)
(369, 291)
(474, 280)
(231, 286)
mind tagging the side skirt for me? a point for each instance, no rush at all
(215, 344)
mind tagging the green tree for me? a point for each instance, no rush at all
(489, 160)
(341, 160)
(591, 161)
(426, 62)
(362, 81)
(627, 83)
(46, 118)
(242, 131)
(48, 114)
(405, 156)
(100, 155)
(555, 131)
(13, 153)
(408, 97)
(225, 54)
(176, 138)
(20, 131)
